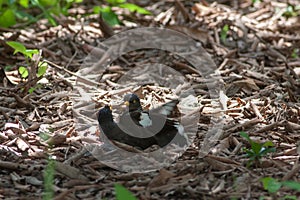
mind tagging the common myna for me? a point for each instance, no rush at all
(153, 122)
(113, 132)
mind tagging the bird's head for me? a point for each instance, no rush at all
(105, 114)
(132, 101)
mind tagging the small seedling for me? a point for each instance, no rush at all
(224, 33)
(49, 173)
(295, 53)
(257, 150)
(28, 53)
(111, 17)
(273, 186)
(291, 11)
(18, 47)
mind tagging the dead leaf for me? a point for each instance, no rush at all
(161, 179)
(197, 34)
(57, 139)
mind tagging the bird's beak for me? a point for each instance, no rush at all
(126, 103)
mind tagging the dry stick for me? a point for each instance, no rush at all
(186, 67)
(12, 165)
(71, 59)
(72, 73)
(223, 159)
(270, 127)
(294, 170)
(69, 171)
(21, 101)
(247, 124)
(256, 111)
(183, 10)
(3, 111)
(77, 156)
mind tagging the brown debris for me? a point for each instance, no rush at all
(258, 64)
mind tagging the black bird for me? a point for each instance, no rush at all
(113, 132)
(154, 122)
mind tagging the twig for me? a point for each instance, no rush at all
(293, 172)
(72, 73)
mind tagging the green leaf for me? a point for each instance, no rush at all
(268, 144)
(224, 32)
(49, 174)
(96, 9)
(246, 136)
(74, 1)
(295, 53)
(7, 18)
(24, 3)
(123, 194)
(255, 1)
(292, 185)
(31, 90)
(256, 147)
(42, 69)
(24, 16)
(29, 52)
(264, 150)
(23, 71)
(44, 136)
(289, 197)
(47, 3)
(271, 184)
(8, 68)
(109, 16)
(135, 8)
(115, 2)
(17, 46)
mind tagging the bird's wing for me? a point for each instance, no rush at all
(165, 109)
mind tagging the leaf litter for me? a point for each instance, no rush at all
(261, 97)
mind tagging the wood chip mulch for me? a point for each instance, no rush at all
(258, 61)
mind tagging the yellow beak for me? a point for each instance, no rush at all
(126, 103)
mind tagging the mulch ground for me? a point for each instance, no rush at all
(258, 60)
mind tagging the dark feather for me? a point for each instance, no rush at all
(113, 131)
(164, 130)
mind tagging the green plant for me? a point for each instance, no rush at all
(28, 53)
(49, 172)
(256, 1)
(295, 53)
(18, 47)
(30, 61)
(12, 11)
(224, 33)
(257, 150)
(54, 7)
(123, 194)
(273, 186)
(8, 11)
(111, 17)
(291, 11)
